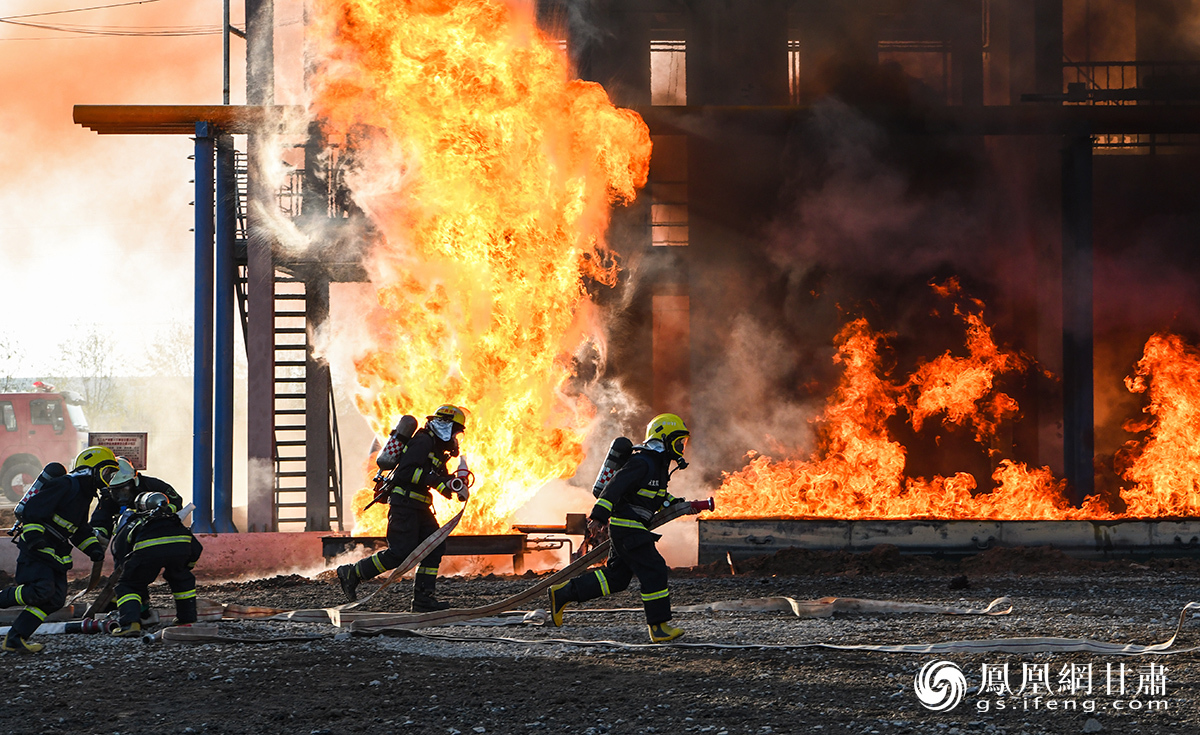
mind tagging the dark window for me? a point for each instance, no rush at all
(669, 190)
(49, 413)
(10, 416)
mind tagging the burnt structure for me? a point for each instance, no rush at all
(814, 159)
(819, 159)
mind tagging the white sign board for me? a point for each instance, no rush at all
(128, 444)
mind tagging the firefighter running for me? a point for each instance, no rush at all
(625, 506)
(148, 537)
(51, 520)
(421, 470)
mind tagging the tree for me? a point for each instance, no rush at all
(171, 355)
(11, 355)
(88, 366)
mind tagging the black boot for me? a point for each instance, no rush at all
(424, 601)
(348, 575)
(185, 612)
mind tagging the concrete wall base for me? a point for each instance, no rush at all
(226, 556)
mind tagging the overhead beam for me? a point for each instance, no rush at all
(1025, 119)
(181, 119)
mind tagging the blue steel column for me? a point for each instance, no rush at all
(223, 379)
(203, 380)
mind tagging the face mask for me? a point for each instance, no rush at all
(123, 494)
(442, 429)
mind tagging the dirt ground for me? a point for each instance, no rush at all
(338, 683)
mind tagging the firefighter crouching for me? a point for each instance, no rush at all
(420, 471)
(631, 498)
(51, 520)
(148, 537)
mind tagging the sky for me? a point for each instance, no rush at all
(95, 230)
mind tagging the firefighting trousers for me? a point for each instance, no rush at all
(408, 525)
(142, 567)
(632, 555)
(40, 587)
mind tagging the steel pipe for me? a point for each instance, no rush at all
(226, 187)
(202, 386)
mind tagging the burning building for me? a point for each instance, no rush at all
(891, 260)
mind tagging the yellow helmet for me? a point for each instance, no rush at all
(102, 462)
(447, 421)
(669, 429)
(450, 413)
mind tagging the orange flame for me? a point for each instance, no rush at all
(957, 385)
(1164, 469)
(858, 471)
(489, 172)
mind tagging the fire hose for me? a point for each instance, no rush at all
(405, 624)
(421, 620)
(997, 645)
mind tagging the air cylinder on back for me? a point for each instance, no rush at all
(389, 456)
(618, 454)
(49, 472)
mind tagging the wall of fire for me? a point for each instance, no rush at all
(756, 237)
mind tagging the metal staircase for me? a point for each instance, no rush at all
(291, 350)
(291, 441)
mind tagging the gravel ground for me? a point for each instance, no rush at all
(337, 683)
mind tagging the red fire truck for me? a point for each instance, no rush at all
(38, 428)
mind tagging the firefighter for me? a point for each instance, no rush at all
(150, 538)
(420, 471)
(139, 512)
(631, 498)
(124, 487)
(51, 521)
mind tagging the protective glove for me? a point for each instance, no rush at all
(597, 532)
(95, 552)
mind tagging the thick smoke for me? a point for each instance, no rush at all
(862, 219)
(97, 228)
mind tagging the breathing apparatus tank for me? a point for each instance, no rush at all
(618, 454)
(50, 472)
(389, 456)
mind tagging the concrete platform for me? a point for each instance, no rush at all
(226, 555)
(1085, 539)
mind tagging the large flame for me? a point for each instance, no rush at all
(858, 471)
(489, 173)
(1164, 468)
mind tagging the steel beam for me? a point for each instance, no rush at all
(1024, 119)
(1078, 379)
(260, 275)
(202, 387)
(316, 415)
(181, 119)
(223, 379)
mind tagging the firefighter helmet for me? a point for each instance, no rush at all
(669, 429)
(101, 461)
(123, 484)
(447, 421)
(151, 501)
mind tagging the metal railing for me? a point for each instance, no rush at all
(1132, 82)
